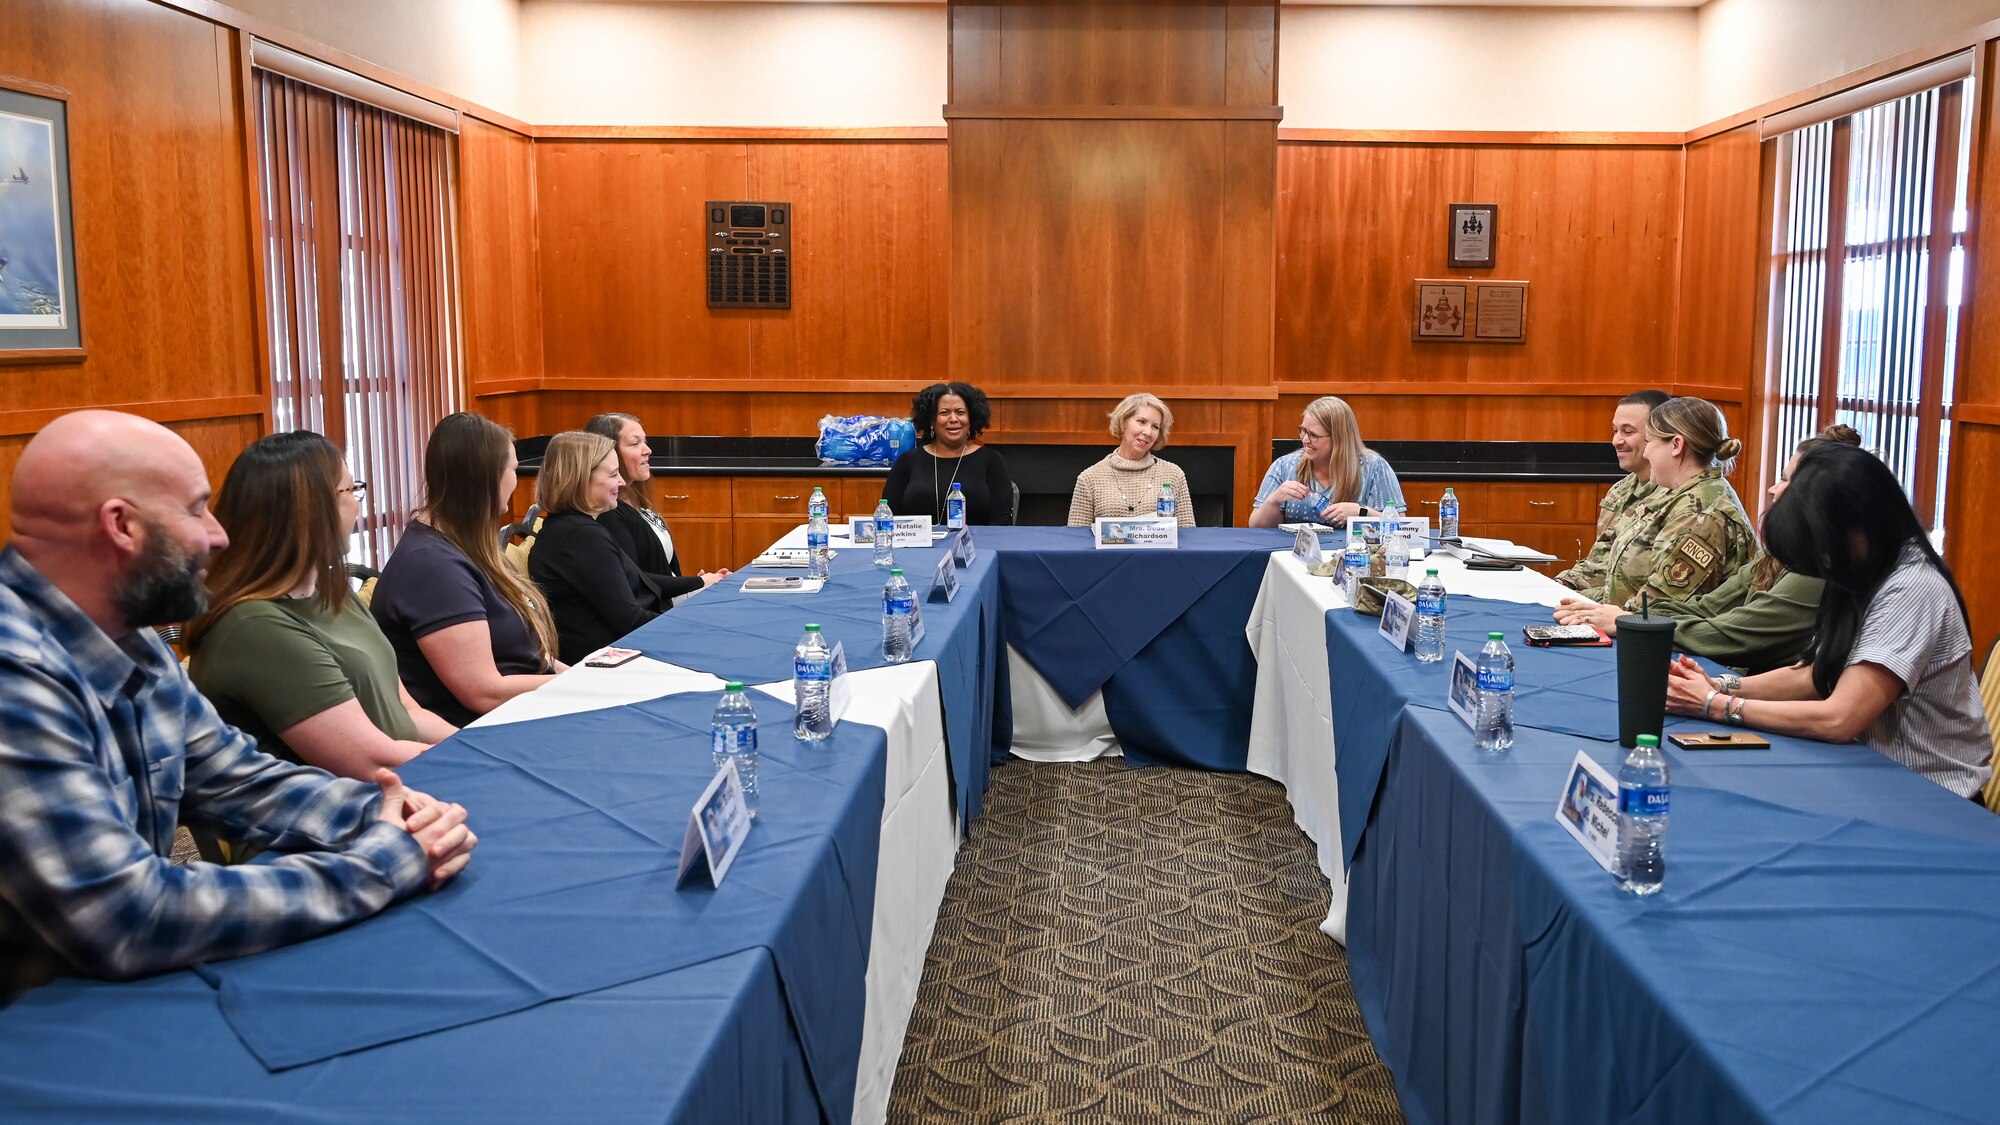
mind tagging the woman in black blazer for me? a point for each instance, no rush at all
(596, 593)
(638, 530)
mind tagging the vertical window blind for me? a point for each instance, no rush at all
(361, 267)
(1868, 260)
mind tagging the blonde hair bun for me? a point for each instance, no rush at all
(1729, 448)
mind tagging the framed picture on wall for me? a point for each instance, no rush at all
(39, 319)
(1440, 312)
(1473, 229)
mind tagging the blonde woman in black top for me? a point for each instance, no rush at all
(640, 531)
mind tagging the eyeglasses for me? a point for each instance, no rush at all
(1308, 435)
(357, 488)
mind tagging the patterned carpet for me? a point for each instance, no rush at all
(1124, 944)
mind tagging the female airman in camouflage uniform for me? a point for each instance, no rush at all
(1691, 532)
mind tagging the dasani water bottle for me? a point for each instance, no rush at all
(1430, 618)
(1448, 515)
(812, 686)
(885, 533)
(1644, 794)
(954, 507)
(899, 608)
(1167, 502)
(1494, 730)
(734, 736)
(818, 559)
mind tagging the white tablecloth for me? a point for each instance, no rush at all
(1291, 718)
(920, 830)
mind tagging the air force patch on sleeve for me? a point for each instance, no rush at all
(1698, 552)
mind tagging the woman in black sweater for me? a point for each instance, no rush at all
(596, 593)
(949, 417)
(637, 528)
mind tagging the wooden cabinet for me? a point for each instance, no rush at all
(705, 543)
(1559, 517)
(674, 497)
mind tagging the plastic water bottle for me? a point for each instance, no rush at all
(812, 686)
(899, 609)
(1494, 731)
(1398, 552)
(1167, 502)
(818, 563)
(1448, 516)
(1643, 796)
(1354, 561)
(1430, 619)
(734, 736)
(885, 533)
(954, 507)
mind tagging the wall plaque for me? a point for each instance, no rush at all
(1472, 235)
(1457, 311)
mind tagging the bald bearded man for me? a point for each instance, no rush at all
(105, 748)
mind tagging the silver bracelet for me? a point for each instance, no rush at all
(1733, 713)
(1706, 700)
(1731, 682)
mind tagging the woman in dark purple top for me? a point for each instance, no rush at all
(470, 632)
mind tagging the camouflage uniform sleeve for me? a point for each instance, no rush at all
(1591, 571)
(1693, 553)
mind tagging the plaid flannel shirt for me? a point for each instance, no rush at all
(104, 748)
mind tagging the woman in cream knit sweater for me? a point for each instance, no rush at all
(1127, 482)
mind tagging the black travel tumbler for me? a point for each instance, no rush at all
(1645, 648)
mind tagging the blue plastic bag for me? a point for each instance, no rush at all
(864, 439)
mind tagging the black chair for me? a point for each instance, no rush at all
(1014, 513)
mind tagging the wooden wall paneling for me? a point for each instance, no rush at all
(1107, 52)
(216, 440)
(1248, 249)
(1721, 264)
(1355, 224)
(1971, 523)
(1250, 71)
(1596, 232)
(1088, 251)
(870, 254)
(623, 259)
(500, 283)
(1592, 228)
(158, 186)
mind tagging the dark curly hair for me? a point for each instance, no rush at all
(923, 409)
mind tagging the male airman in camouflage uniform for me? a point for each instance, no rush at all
(1678, 542)
(1628, 441)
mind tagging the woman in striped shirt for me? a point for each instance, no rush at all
(1891, 658)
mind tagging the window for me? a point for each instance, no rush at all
(361, 264)
(1868, 262)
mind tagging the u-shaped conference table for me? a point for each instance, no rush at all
(1823, 950)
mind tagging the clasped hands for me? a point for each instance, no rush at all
(438, 826)
(1583, 611)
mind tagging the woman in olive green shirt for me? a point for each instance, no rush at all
(286, 651)
(1760, 618)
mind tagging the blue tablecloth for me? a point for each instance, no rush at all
(750, 637)
(580, 820)
(673, 1047)
(1567, 690)
(1160, 633)
(1827, 947)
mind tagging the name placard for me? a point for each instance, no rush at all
(1136, 533)
(1464, 697)
(944, 579)
(841, 692)
(961, 547)
(1398, 615)
(1373, 528)
(716, 829)
(1305, 547)
(1588, 810)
